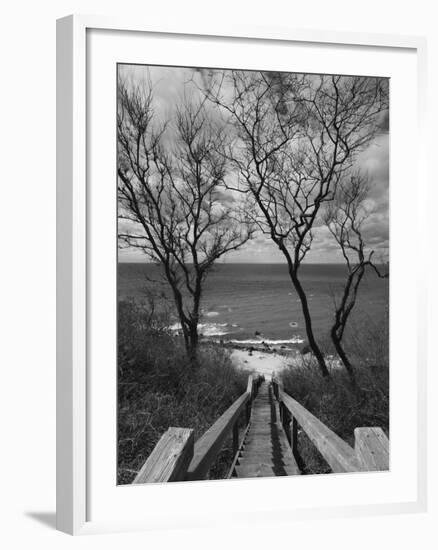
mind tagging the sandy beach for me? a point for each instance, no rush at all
(259, 361)
(268, 363)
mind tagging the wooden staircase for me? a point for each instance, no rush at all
(267, 445)
(265, 451)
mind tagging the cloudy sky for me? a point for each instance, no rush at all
(170, 84)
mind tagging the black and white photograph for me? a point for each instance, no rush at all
(253, 273)
(219, 269)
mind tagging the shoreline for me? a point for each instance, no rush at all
(260, 358)
(259, 347)
(267, 360)
(264, 358)
(260, 362)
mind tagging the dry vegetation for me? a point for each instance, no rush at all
(158, 388)
(334, 400)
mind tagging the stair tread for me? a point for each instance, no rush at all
(265, 451)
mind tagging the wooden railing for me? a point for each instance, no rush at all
(176, 458)
(371, 447)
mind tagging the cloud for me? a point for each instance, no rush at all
(171, 84)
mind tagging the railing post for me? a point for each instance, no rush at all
(250, 390)
(248, 412)
(275, 388)
(372, 449)
(293, 430)
(286, 417)
(169, 459)
(273, 406)
(250, 386)
(235, 438)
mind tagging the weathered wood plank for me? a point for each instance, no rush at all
(262, 457)
(266, 451)
(293, 431)
(170, 458)
(208, 446)
(372, 448)
(265, 443)
(258, 470)
(338, 454)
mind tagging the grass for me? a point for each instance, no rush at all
(157, 388)
(335, 401)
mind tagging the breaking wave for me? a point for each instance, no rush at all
(210, 314)
(209, 329)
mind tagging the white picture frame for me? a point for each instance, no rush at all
(74, 214)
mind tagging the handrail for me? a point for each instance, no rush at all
(208, 446)
(371, 446)
(338, 454)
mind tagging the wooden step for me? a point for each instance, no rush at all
(265, 451)
(261, 470)
(266, 439)
(287, 466)
(266, 446)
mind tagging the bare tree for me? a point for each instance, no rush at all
(345, 218)
(173, 203)
(295, 136)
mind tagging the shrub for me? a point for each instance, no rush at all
(335, 401)
(157, 388)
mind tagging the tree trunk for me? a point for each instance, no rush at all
(342, 355)
(308, 322)
(189, 325)
(192, 343)
(343, 313)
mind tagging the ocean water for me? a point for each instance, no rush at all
(252, 302)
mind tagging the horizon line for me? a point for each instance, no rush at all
(237, 263)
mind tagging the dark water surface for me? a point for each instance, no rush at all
(242, 299)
